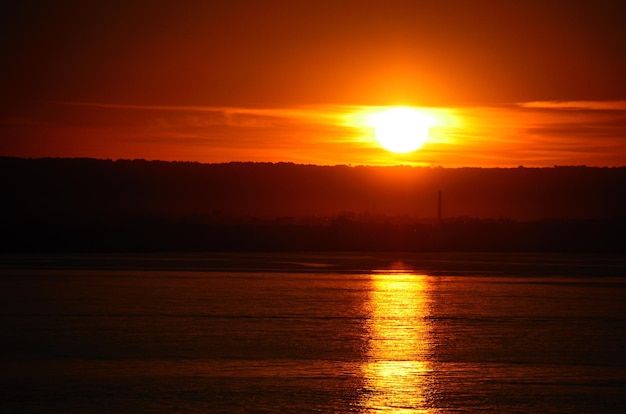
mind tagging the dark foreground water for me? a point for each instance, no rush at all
(313, 333)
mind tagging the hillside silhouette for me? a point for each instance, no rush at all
(104, 205)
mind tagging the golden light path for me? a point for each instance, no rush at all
(397, 370)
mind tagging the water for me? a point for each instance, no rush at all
(427, 333)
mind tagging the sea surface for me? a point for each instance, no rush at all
(323, 333)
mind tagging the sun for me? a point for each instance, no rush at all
(401, 129)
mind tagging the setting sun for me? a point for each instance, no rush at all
(401, 129)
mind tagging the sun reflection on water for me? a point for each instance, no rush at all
(397, 370)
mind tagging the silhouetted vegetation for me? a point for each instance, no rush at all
(127, 206)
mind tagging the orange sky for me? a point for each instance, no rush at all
(513, 83)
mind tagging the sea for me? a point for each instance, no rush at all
(313, 333)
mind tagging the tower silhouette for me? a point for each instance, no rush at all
(439, 207)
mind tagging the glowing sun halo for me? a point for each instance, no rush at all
(400, 129)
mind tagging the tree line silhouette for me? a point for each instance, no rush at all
(104, 205)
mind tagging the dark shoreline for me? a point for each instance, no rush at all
(339, 235)
(88, 205)
(478, 264)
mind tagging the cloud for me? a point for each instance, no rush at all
(176, 117)
(530, 134)
(299, 133)
(575, 105)
(537, 134)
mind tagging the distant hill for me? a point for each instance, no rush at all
(77, 199)
(104, 187)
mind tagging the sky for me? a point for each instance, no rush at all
(509, 83)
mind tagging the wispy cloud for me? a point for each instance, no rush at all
(313, 134)
(530, 134)
(568, 105)
(235, 116)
